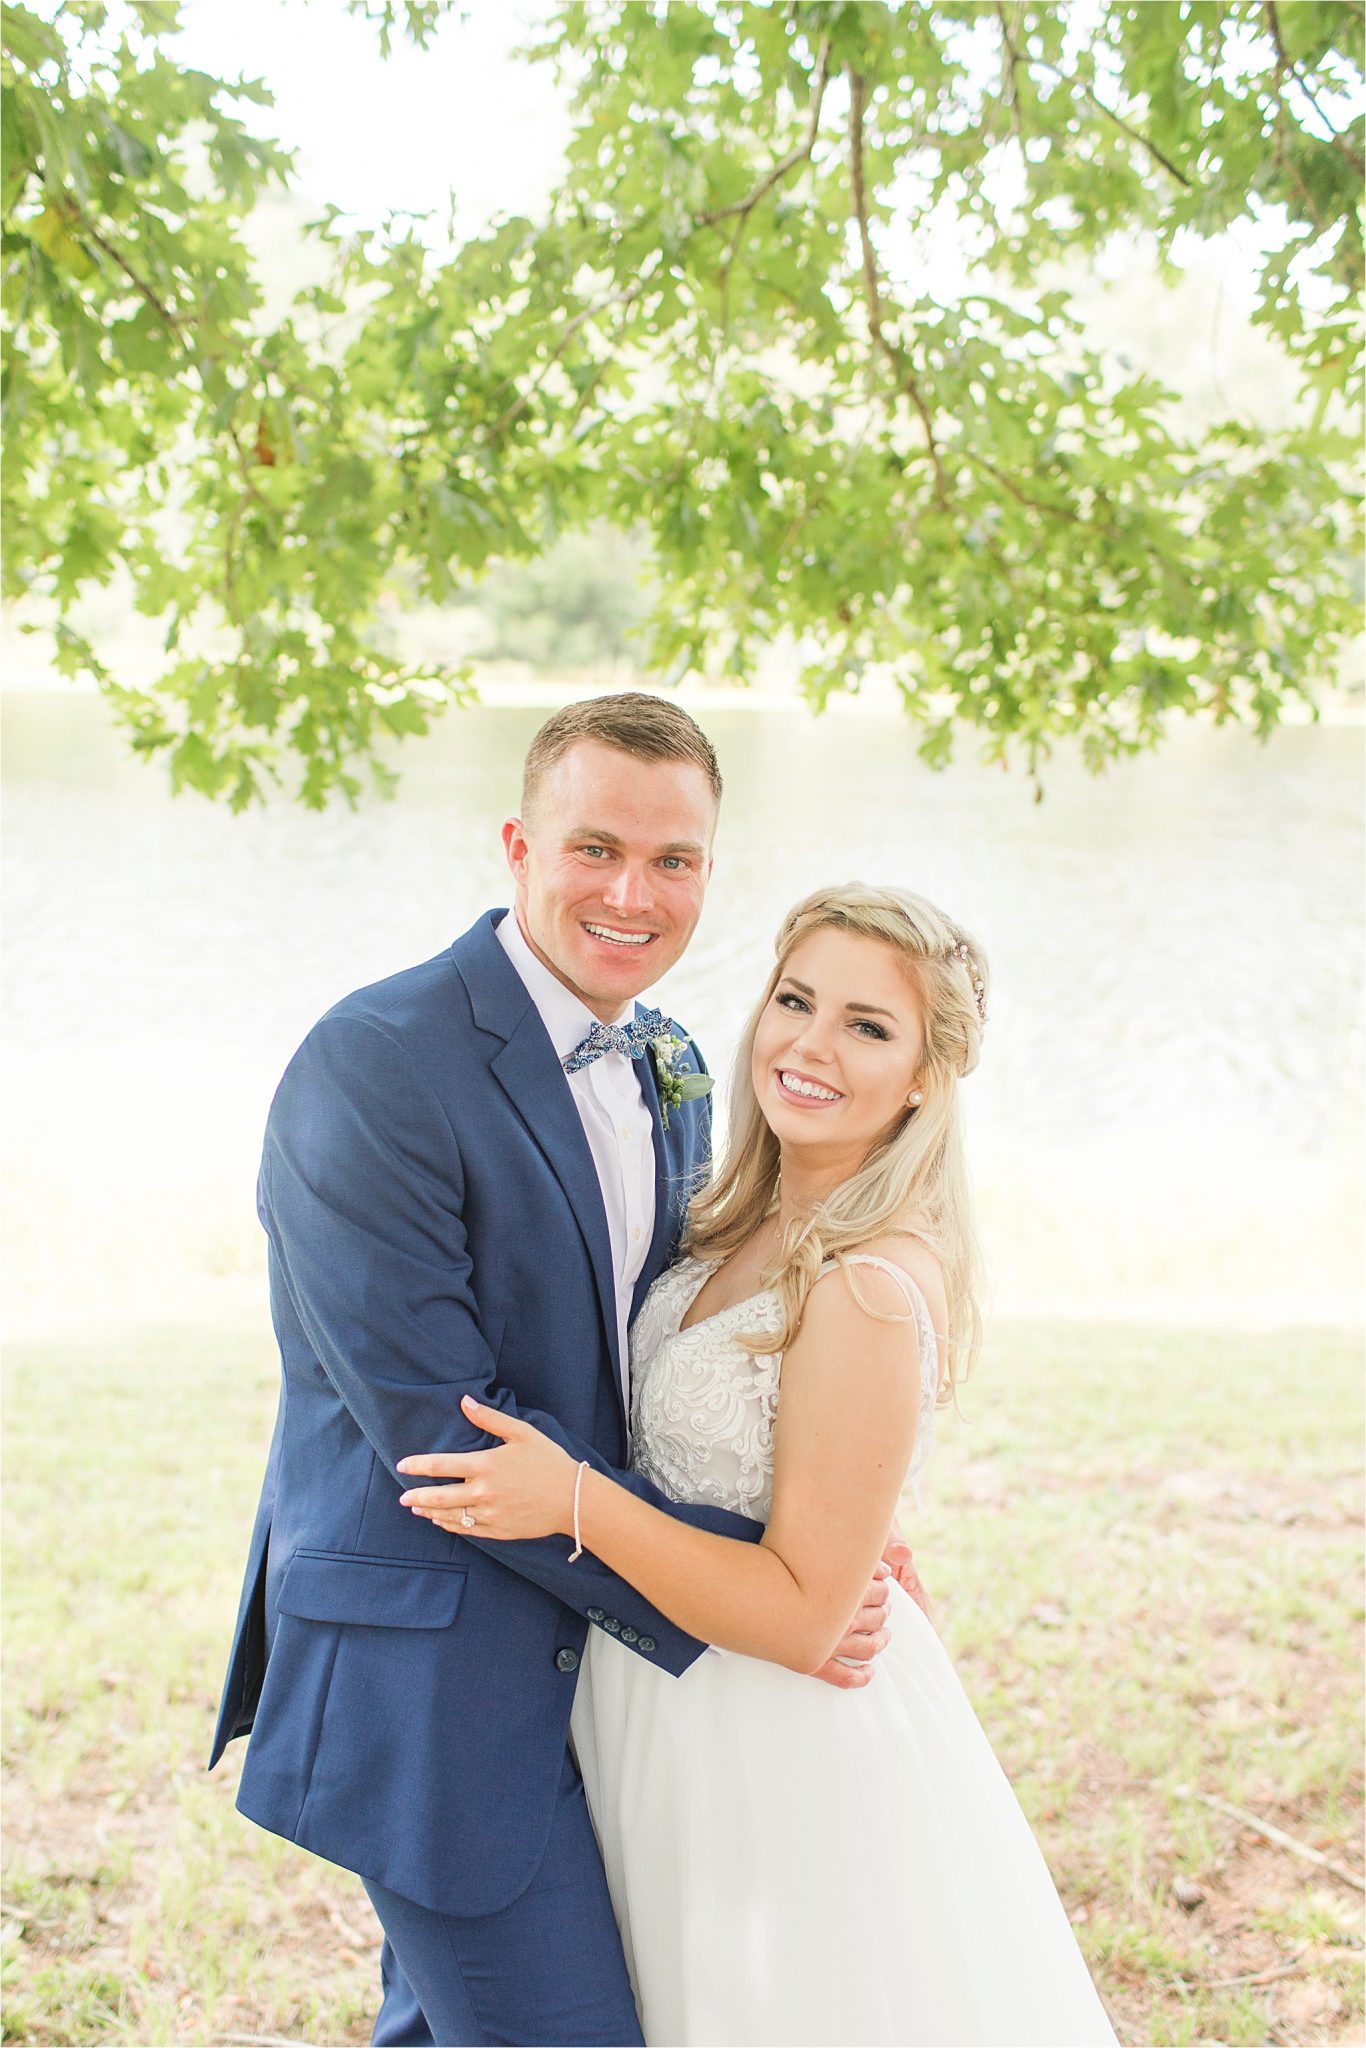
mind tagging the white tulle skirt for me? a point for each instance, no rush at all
(791, 1864)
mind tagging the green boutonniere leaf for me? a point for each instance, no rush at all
(673, 1086)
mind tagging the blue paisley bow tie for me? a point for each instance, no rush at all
(632, 1039)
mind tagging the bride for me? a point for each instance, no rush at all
(788, 1863)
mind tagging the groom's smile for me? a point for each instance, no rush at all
(615, 937)
(611, 863)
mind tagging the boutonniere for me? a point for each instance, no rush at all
(673, 1086)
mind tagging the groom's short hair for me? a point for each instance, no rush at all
(633, 721)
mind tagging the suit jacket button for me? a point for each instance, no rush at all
(612, 1625)
(647, 1644)
(630, 1635)
(566, 1660)
(595, 1614)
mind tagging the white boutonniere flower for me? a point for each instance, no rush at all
(673, 1086)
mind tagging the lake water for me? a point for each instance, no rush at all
(1166, 1120)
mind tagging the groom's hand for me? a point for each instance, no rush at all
(898, 1557)
(867, 1636)
(853, 1664)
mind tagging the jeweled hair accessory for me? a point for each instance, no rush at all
(962, 951)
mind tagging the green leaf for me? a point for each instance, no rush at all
(52, 231)
(29, 40)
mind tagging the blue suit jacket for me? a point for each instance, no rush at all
(436, 1228)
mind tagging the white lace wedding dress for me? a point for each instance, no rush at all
(790, 1863)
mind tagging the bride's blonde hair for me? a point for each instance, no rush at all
(914, 1181)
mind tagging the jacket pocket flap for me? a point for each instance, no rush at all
(333, 1585)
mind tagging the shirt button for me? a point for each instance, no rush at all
(626, 1131)
(635, 1236)
(566, 1660)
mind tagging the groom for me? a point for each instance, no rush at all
(468, 1185)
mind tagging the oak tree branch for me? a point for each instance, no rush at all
(896, 356)
(801, 154)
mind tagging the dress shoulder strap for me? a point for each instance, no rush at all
(914, 1298)
(916, 1304)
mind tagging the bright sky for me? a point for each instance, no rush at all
(375, 136)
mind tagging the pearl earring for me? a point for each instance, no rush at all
(915, 1098)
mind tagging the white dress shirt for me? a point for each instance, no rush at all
(616, 1122)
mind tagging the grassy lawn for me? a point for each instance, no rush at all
(1145, 1550)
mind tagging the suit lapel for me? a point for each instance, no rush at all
(528, 1072)
(668, 1162)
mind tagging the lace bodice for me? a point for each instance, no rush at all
(703, 1407)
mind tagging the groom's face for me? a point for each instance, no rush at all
(611, 868)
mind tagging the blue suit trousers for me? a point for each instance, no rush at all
(546, 1969)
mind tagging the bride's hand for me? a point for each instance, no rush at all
(523, 1487)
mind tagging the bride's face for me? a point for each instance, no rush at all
(839, 1045)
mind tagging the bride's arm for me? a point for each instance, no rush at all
(845, 1433)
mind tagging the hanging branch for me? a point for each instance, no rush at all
(1125, 127)
(896, 356)
(1285, 63)
(1022, 496)
(800, 155)
(1010, 73)
(741, 210)
(80, 218)
(522, 401)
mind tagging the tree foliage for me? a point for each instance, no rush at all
(723, 332)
